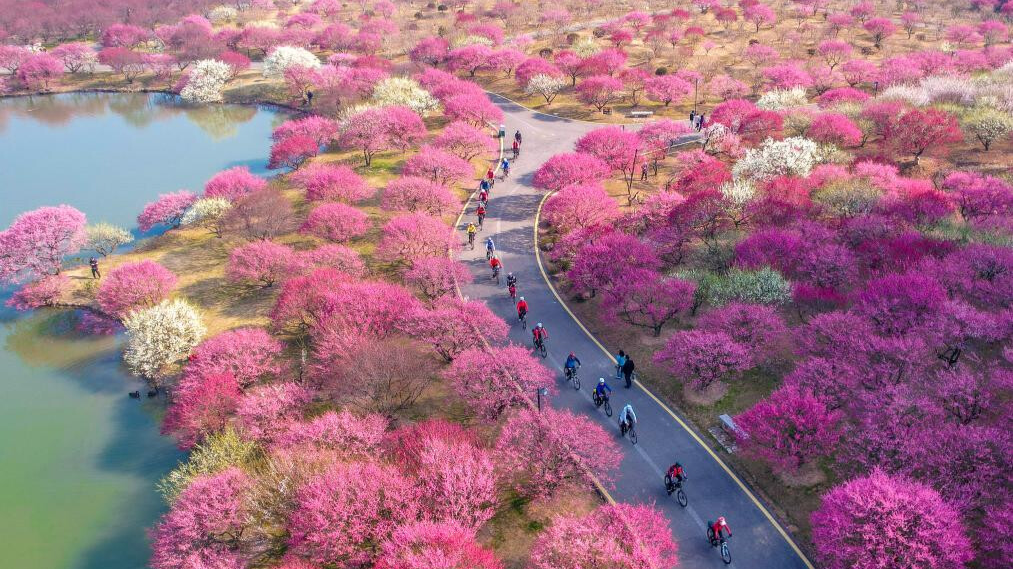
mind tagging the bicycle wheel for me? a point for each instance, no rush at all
(524, 323)
(681, 497)
(633, 434)
(726, 555)
(576, 382)
(542, 350)
(608, 408)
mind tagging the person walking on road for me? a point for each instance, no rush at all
(517, 137)
(620, 360)
(643, 171)
(692, 118)
(628, 367)
(93, 263)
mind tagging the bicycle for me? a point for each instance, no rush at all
(676, 487)
(571, 376)
(524, 320)
(600, 400)
(512, 291)
(726, 555)
(540, 347)
(630, 428)
(517, 152)
(481, 221)
(495, 274)
(471, 241)
(488, 253)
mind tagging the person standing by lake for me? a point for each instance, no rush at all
(93, 263)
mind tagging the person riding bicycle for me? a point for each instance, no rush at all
(483, 196)
(511, 279)
(484, 185)
(489, 174)
(627, 418)
(522, 308)
(471, 232)
(517, 137)
(495, 264)
(506, 167)
(601, 391)
(512, 290)
(480, 212)
(539, 334)
(674, 476)
(572, 361)
(517, 149)
(716, 529)
(490, 247)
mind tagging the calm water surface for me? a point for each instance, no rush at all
(78, 458)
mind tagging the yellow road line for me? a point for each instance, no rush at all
(763, 509)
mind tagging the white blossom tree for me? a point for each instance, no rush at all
(285, 56)
(206, 80)
(160, 337)
(794, 156)
(987, 125)
(777, 99)
(545, 85)
(104, 238)
(207, 213)
(404, 92)
(222, 14)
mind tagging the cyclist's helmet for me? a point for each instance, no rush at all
(510, 274)
(601, 381)
(522, 298)
(572, 355)
(539, 325)
(678, 465)
(721, 521)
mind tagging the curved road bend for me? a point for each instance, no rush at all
(758, 541)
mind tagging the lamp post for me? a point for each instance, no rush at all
(696, 88)
(541, 391)
(875, 88)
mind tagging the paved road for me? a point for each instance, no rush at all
(712, 489)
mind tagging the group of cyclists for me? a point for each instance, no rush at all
(676, 474)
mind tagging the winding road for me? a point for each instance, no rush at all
(713, 489)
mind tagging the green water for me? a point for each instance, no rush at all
(78, 458)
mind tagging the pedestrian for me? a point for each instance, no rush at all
(628, 368)
(309, 98)
(643, 171)
(692, 117)
(700, 119)
(620, 360)
(93, 263)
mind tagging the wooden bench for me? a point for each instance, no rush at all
(606, 111)
(640, 114)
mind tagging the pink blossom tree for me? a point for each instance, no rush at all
(292, 151)
(617, 535)
(46, 291)
(458, 482)
(835, 128)
(599, 91)
(434, 545)
(879, 29)
(918, 131)
(591, 269)
(470, 58)
(546, 450)
(368, 309)
(759, 15)
(263, 407)
(453, 325)
(465, 141)
(332, 183)
(344, 514)
(439, 166)
(37, 242)
(75, 56)
(321, 129)
(339, 257)
(413, 193)
(789, 430)
(667, 89)
(39, 71)
(205, 524)
(725, 87)
(233, 184)
(569, 169)
(606, 62)
(621, 149)
(414, 236)
(341, 432)
(834, 52)
(261, 262)
(473, 108)
(787, 76)
(657, 136)
(247, 354)
(302, 302)
(167, 210)
(134, 285)
(437, 276)
(868, 520)
(702, 358)
(430, 50)
(756, 327)
(493, 380)
(579, 206)
(644, 298)
(202, 405)
(335, 222)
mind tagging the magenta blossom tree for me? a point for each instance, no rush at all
(702, 358)
(465, 141)
(335, 222)
(757, 327)
(789, 430)
(579, 206)
(437, 276)
(591, 269)
(134, 285)
(414, 193)
(167, 210)
(879, 519)
(44, 292)
(600, 91)
(414, 236)
(233, 184)
(434, 545)
(201, 405)
(453, 325)
(248, 354)
(332, 183)
(568, 169)
(439, 166)
(617, 535)
(644, 298)
(544, 451)
(473, 108)
(262, 263)
(291, 152)
(622, 150)
(39, 71)
(493, 380)
(38, 240)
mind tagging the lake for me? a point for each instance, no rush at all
(79, 458)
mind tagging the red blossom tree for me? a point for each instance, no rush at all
(835, 128)
(918, 131)
(261, 262)
(545, 450)
(202, 404)
(622, 536)
(292, 151)
(134, 285)
(877, 517)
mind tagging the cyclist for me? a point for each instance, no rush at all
(517, 137)
(522, 308)
(601, 392)
(571, 365)
(674, 477)
(483, 196)
(480, 212)
(627, 418)
(484, 185)
(517, 149)
(715, 530)
(539, 334)
(506, 168)
(495, 265)
(512, 290)
(489, 174)
(490, 248)
(471, 234)
(511, 279)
